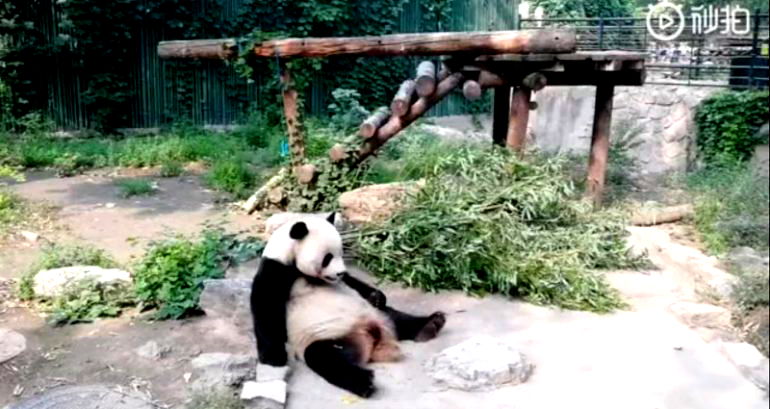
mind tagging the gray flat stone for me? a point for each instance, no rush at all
(83, 397)
(228, 299)
(11, 344)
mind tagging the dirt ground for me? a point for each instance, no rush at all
(89, 209)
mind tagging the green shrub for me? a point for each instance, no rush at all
(488, 222)
(232, 176)
(87, 300)
(171, 274)
(727, 125)
(732, 207)
(62, 255)
(171, 168)
(11, 210)
(135, 187)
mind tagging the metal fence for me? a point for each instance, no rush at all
(716, 59)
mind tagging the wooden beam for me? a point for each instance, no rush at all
(426, 78)
(397, 123)
(403, 98)
(517, 125)
(223, 49)
(500, 112)
(477, 42)
(600, 143)
(369, 126)
(293, 124)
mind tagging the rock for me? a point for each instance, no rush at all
(221, 370)
(243, 271)
(151, 350)
(272, 373)
(480, 363)
(11, 344)
(752, 364)
(748, 260)
(29, 236)
(375, 203)
(228, 299)
(84, 397)
(264, 395)
(702, 315)
(51, 283)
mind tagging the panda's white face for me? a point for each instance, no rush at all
(312, 244)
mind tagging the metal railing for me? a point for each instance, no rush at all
(738, 61)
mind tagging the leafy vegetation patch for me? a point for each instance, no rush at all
(171, 274)
(12, 210)
(732, 207)
(220, 399)
(488, 222)
(88, 300)
(232, 176)
(135, 187)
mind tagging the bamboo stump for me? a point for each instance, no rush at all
(600, 143)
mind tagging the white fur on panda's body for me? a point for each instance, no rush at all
(331, 312)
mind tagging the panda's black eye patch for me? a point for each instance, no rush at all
(327, 259)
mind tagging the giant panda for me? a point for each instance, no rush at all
(303, 296)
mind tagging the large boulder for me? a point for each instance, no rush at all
(52, 283)
(375, 203)
(752, 364)
(11, 344)
(228, 299)
(221, 370)
(480, 363)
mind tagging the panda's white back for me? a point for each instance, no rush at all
(326, 312)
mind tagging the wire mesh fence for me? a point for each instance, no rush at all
(699, 55)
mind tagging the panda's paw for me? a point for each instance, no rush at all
(377, 299)
(362, 384)
(433, 325)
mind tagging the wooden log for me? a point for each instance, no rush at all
(369, 126)
(293, 124)
(396, 123)
(223, 49)
(426, 78)
(534, 81)
(260, 198)
(403, 98)
(600, 143)
(517, 125)
(478, 42)
(651, 217)
(306, 173)
(338, 153)
(443, 73)
(471, 90)
(500, 113)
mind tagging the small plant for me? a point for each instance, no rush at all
(171, 168)
(232, 176)
(170, 276)
(347, 112)
(63, 255)
(11, 210)
(135, 187)
(87, 300)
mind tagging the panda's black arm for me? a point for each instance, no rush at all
(369, 293)
(270, 292)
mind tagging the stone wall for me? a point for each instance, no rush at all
(659, 117)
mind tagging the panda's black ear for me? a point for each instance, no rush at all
(330, 218)
(298, 231)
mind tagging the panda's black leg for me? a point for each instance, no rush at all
(374, 296)
(416, 328)
(337, 362)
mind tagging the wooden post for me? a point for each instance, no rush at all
(293, 124)
(600, 142)
(502, 103)
(517, 125)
